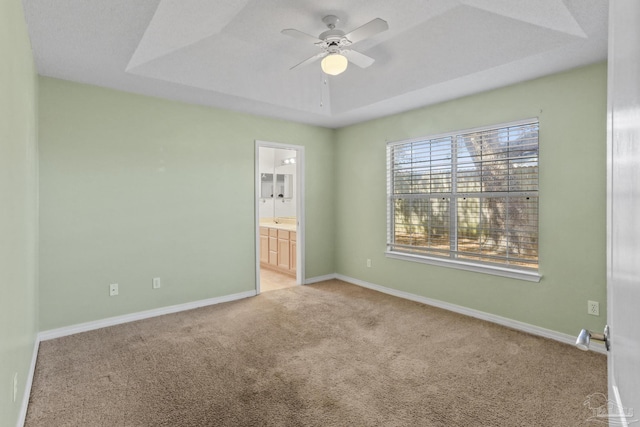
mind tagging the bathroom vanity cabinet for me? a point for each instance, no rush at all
(278, 249)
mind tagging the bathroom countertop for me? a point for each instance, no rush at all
(279, 226)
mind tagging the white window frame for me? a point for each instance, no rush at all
(450, 260)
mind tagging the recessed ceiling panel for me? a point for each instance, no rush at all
(179, 23)
(231, 53)
(458, 43)
(219, 64)
(551, 14)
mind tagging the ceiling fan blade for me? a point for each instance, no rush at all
(310, 60)
(369, 29)
(300, 35)
(360, 59)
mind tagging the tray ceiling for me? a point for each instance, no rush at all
(230, 53)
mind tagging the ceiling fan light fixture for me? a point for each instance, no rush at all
(334, 64)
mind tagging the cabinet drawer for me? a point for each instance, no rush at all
(283, 234)
(293, 236)
(264, 231)
(273, 232)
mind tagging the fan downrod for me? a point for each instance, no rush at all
(331, 21)
(332, 35)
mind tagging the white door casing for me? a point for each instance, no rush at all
(300, 207)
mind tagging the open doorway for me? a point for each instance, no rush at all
(279, 214)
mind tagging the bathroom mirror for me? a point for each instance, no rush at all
(277, 184)
(266, 185)
(284, 186)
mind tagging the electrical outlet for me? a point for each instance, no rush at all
(593, 308)
(113, 289)
(369, 262)
(15, 386)
(156, 283)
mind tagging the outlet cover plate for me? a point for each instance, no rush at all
(593, 308)
(113, 289)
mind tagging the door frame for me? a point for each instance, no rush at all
(300, 213)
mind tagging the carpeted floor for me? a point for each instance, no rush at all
(330, 354)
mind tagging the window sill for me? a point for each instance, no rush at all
(531, 276)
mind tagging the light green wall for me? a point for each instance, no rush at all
(133, 187)
(571, 107)
(18, 207)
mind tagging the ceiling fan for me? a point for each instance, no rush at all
(335, 44)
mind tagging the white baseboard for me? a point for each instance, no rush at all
(111, 321)
(317, 279)
(514, 324)
(22, 416)
(510, 323)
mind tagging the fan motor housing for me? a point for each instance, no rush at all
(331, 35)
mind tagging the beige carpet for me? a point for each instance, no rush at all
(329, 354)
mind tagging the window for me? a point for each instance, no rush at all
(468, 199)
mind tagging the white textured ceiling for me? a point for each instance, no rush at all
(231, 54)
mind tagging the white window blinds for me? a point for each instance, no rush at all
(470, 196)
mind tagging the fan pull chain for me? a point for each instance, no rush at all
(324, 82)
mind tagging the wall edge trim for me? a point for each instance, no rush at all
(504, 321)
(312, 280)
(22, 415)
(132, 317)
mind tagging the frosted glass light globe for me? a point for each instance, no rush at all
(334, 64)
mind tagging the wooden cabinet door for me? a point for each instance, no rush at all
(273, 250)
(293, 262)
(292, 256)
(264, 249)
(283, 254)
